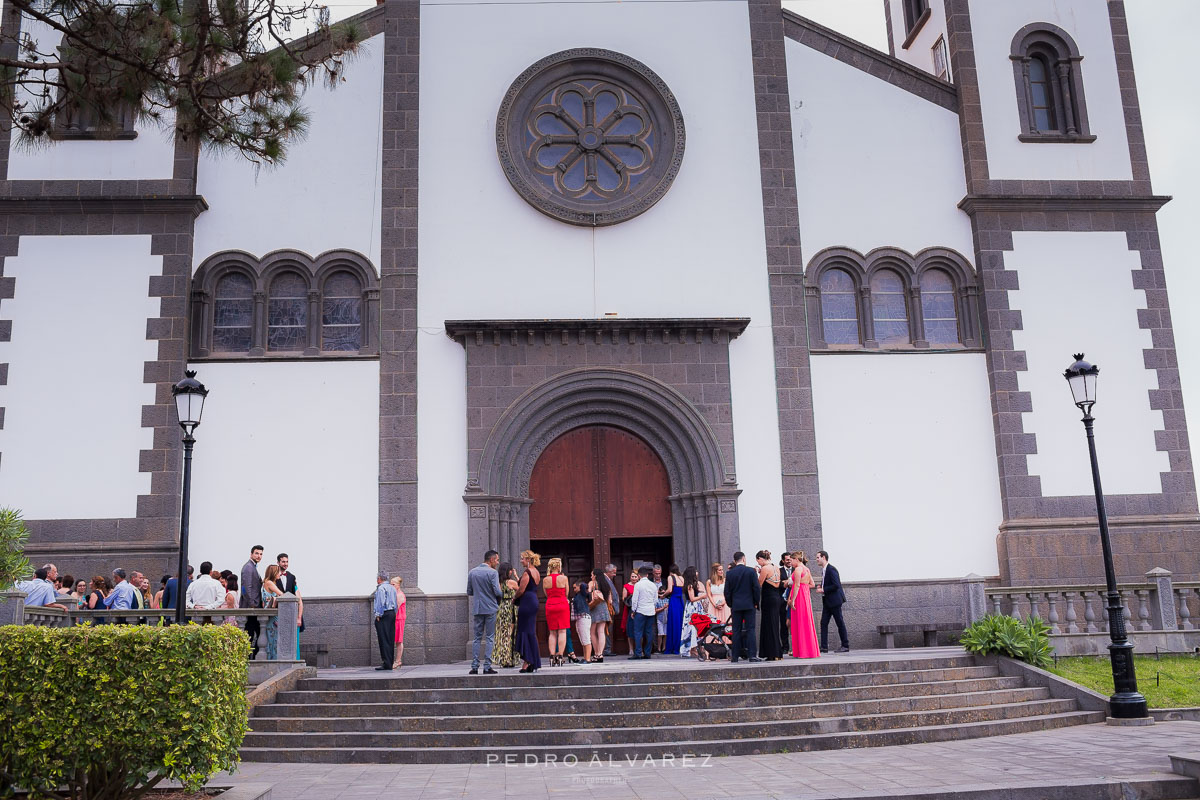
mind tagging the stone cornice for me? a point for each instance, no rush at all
(974, 203)
(169, 204)
(515, 329)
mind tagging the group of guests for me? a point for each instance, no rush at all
(656, 612)
(212, 590)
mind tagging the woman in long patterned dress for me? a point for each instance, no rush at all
(270, 592)
(804, 631)
(504, 653)
(527, 612)
(689, 641)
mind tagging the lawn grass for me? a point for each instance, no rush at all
(1166, 682)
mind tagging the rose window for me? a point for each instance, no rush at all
(590, 137)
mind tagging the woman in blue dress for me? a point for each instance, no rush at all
(674, 609)
(527, 612)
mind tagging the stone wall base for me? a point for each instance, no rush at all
(340, 631)
(1149, 642)
(1067, 551)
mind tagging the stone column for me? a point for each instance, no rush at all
(12, 607)
(289, 612)
(1162, 606)
(976, 599)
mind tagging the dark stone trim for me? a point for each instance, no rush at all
(973, 204)
(1134, 131)
(401, 22)
(970, 111)
(1066, 87)
(887, 68)
(1054, 138)
(891, 34)
(915, 30)
(785, 260)
(192, 205)
(260, 272)
(613, 327)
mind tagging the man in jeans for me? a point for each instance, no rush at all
(483, 587)
(642, 617)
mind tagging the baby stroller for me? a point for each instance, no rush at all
(713, 637)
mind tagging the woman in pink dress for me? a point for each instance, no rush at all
(401, 615)
(804, 632)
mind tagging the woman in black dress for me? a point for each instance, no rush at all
(527, 612)
(770, 646)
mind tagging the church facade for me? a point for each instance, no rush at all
(618, 282)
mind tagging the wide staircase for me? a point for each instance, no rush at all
(616, 713)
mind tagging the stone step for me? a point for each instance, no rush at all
(637, 703)
(1153, 787)
(638, 684)
(628, 718)
(273, 749)
(687, 671)
(719, 729)
(1186, 764)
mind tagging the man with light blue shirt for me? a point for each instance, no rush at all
(121, 597)
(385, 620)
(642, 614)
(39, 591)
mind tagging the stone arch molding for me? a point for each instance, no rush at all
(703, 490)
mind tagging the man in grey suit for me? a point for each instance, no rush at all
(483, 587)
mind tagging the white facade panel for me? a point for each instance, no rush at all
(1077, 295)
(907, 461)
(919, 52)
(993, 26)
(151, 156)
(288, 457)
(875, 165)
(325, 196)
(73, 402)
(485, 253)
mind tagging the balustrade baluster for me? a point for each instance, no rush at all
(996, 604)
(1052, 615)
(1185, 614)
(1069, 602)
(1089, 612)
(1034, 600)
(1126, 607)
(1143, 596)
(1015, 598)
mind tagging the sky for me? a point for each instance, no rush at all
(1161, 32)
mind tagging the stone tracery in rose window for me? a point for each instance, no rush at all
(590, 137)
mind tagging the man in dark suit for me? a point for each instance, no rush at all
(288, 583)
(832, 600)
(743, 595)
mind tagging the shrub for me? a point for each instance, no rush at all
(14, 566)
(110, 711)
(1027, 641)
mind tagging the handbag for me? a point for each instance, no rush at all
(594, 601)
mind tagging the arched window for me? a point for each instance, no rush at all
(889, 309)
(1050, 103)
(839, 307)
(287, 312)
(233, 314)
(938, 308)
(341, 313)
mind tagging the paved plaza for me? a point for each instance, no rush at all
(1086, 754)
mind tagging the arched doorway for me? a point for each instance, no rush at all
(600, 495)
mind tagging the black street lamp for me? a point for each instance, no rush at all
(1126, 702)
(189, 396)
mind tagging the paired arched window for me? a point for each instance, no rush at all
(285, 305)
(1050, 102)
(889, 299)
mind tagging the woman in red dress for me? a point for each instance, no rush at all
(558, 610)
(804, 634)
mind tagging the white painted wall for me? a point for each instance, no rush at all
(288, 457)
(875, 165)
(325, 196)
(920, 52)
(1077, 295)
(907, 462)
(993, 26)
(148, 157)
(73, 402)
(485, 253)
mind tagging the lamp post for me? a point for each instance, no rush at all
(189, 396)
(1126, 702)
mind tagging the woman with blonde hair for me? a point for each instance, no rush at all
(527, 611)
(401, 616)
(804, 631)
(718, 609)
(558, 610)
(270, 593)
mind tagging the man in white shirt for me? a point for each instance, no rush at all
(205, 592)
(645, 596)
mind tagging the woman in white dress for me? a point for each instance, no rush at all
(718, 609)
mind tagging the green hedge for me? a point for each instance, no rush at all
(110, 710)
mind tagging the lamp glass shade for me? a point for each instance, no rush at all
(190, 406)
(1083, 388)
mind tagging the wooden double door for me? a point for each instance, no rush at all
(600, 496)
